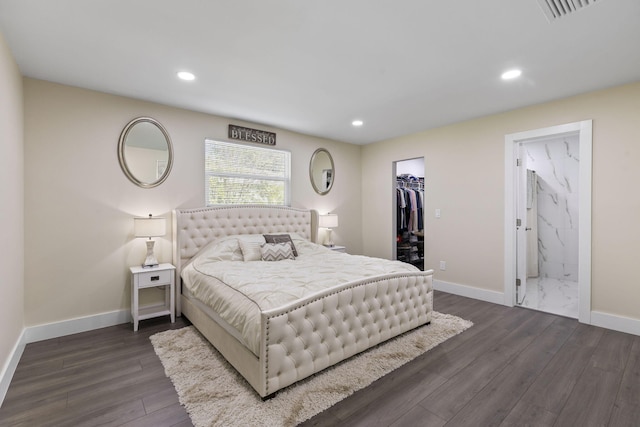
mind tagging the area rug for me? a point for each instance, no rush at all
(214, 394)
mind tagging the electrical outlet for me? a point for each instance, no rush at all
(443, 265)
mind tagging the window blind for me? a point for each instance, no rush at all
(245, 174)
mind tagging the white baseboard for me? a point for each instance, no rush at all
(55, 330)
(10, 366)
(469, 292)
(616, 323)
(74, 326)
(603, 320)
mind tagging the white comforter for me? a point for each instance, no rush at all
(239, 291)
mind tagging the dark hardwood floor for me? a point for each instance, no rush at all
(106, 377)
(514, 367)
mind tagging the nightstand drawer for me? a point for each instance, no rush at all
(152, 278)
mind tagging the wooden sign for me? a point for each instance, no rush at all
(252, 135)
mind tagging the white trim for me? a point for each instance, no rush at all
(616, 323)
(584, 226)
(74, 326)
(10, 366)
(469, 292)
(510, 215)
(584, 130)
(55, 330)
(603, 320)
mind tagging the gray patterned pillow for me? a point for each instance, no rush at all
(281, 238)
(276, 251)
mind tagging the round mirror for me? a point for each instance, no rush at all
(321, 171)
(145, 152)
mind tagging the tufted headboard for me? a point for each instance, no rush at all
(194, 228)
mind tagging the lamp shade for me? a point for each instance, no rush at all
(328, 221)
(149, 226)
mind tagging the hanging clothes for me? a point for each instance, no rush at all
(410, 201)
(410, 233)
(401, 209)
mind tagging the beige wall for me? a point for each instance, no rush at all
(79, 204)
(11, 206)
(465, 179)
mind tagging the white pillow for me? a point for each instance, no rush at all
(250, 246)
(225, 249)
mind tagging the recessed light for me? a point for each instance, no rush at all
(185, 75)
(511, 74)
(357, 123)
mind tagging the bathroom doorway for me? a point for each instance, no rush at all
(549, 206)
(548, 220)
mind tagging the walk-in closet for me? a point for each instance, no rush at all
(410, 190)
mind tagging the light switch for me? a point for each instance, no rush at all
(437, 213)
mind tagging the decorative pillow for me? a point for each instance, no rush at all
(224, 249)
(250, 246)
(281, 238)
(276, 252)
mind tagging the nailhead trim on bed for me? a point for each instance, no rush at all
(304, 340)
(206, 225)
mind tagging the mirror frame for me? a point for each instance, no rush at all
(333, 168)
(123, 160)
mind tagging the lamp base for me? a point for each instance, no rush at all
(329, 240)
(150, 261)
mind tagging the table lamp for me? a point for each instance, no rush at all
(149, 227)
(328, 221)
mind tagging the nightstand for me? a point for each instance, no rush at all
(141, 278)
(338, 248)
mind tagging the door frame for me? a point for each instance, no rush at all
(585, 134)
(522, 251)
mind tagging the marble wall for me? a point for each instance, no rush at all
(556, 162)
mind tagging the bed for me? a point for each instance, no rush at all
(349, 303)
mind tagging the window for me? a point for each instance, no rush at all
(245, 174)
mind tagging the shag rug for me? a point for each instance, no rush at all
(214, 394)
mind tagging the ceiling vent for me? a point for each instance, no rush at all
(555, 9)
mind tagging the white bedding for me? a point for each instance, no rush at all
(240, 290)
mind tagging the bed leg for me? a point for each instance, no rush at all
(269, 396)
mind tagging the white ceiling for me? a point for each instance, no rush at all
(313, 66)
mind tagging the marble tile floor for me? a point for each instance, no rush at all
(554, 296)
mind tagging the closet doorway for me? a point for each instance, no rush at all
(548, 220)
(408, 219)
